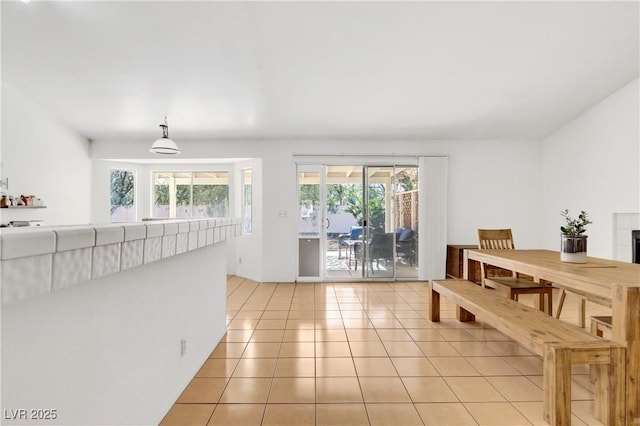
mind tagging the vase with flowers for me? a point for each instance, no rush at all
(573, 243)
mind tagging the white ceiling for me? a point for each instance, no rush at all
(420, 70)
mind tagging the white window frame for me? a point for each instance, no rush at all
(191, 185)
(247, 219)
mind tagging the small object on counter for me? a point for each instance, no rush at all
(11, 201)
(24, 200)
(19, 223)
(4, 202)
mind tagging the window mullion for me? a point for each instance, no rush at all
(191, 194)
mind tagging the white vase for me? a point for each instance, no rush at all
(573, 248)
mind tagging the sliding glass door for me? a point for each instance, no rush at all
(371, 222)
(357, 222)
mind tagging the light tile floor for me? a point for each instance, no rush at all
(365, 354)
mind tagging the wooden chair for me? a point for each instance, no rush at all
(509, 283)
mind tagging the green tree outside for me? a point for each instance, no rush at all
(122, 189)
(214, 197)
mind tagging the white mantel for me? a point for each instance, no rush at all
(623, 224)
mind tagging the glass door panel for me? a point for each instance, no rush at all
(406, 224)
(379, 235)
(344, 215)
(310, 221)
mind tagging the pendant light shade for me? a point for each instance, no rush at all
(164, 145)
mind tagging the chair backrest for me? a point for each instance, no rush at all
(501, 239)
(382, 238)
(381, 246)
(495, 239)
(404, 234)
(356, 232)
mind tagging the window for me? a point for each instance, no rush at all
(246, 201)
(123, 196)
(191, 194)
(309, 214)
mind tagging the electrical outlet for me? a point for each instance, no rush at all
(183, 347)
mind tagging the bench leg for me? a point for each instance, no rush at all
(434, 304)
(434, 308)
(610, 388)
(463, 315)
(610, 384)
(557, 385)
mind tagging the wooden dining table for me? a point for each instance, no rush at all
(608, 282)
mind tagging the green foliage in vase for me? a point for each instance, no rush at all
(575, 227)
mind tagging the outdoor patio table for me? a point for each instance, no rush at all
(351, 250)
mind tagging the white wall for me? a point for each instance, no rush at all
(494, 185)
(593, 163)
(40, 156)
(108, 351)
(491, 184)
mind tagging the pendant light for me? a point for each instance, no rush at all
(164, 145)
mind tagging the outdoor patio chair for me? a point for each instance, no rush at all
(380, 248)
(347, 240)
(406, 244)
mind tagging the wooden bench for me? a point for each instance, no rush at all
(560, 344)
